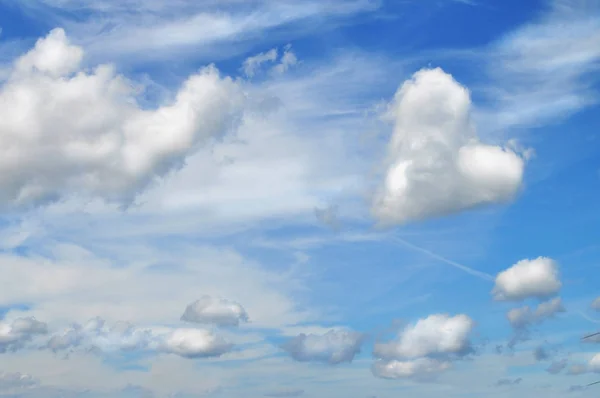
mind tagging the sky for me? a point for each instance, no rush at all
(278, 198)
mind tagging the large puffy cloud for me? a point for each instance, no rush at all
(537, 278)
(215, 310)
(436, 164)
(95, 334)
(16, 333)
(69, 131)
(333, 347)
(436, 335)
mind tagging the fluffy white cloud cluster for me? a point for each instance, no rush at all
(16, 333)
(436, 163)
(424, 348)
(216, 311)
(333, 347)
(65, 130)
(95, 334)
(537, 278)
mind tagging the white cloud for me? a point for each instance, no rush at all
(333, 347)
(546, 69)
(288, 59)
(113, 149)
(596, 304)
(215, 310)
(419, 369)
(253, 63)
(436, 163)
(594, 363)
(14, 334)
(524, 317)
(537, 278)
(97, 335)
(438, 334)
(135, 31)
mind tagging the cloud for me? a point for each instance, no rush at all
(522, 318)
(195, 343)
(540, 354)
(508, 382)
(137, 31)
(97, 335)
(594, 364)
(114, 149)
(546, 69)
(557, 367)
(596, 304)
(16, 381)
(436, 163)
(16, 333)
(214, 310)
(253, 63)
(419, 369)
(438, 334)
(538, 278)
(333, 347)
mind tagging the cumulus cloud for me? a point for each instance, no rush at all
(596, 304)
(194, 343)
(537, 278)
(436, 164)
(436, 335)
(97, 335)
(65, 130)
(419, 369)
(215, 310)
(333, 347)
(16, 333)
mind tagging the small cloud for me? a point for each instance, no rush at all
(252, 64)
(596, 304)
(421, 369)
(438, 334)
(508, 382)
(538, 278)
(216, 311)
(557, 367)
(333, 347)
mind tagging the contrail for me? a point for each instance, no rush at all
(587, 318)
(464, 268)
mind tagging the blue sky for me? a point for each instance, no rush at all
(332, 198)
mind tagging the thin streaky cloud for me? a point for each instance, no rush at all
(479, 274)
